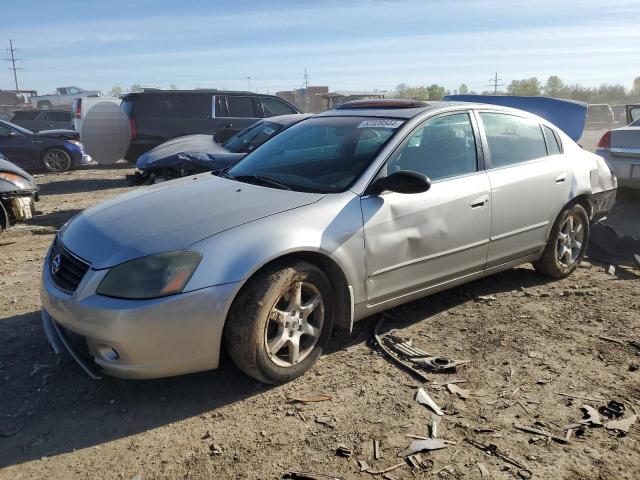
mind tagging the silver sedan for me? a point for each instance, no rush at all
(343, 215)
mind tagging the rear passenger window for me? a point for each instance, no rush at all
(442, 147)
(239, 107)
(553, 147)
(273, 107)
(174, 106)
(512, 139)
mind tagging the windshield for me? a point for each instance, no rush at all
(251, 138)
(322, 154)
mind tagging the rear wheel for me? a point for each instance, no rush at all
(567, 243)
(280, 323)
(56, 160)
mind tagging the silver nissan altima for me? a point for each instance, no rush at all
(345, 214)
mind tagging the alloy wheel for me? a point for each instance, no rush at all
(57, 160)
(570, 240)
(294, 324)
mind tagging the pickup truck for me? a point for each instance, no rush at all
(62, 98)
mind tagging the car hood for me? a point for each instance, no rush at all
(171, 216)
(191, 144)
(63, 134)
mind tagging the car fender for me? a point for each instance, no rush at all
(331, 227)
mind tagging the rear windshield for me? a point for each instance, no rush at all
(252, 137)
(322, 154)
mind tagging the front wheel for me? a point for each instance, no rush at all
(280, 323)
(567, 243)
(56, 160)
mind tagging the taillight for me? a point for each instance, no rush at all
(132, 121)
(605, 141)
(78, 110)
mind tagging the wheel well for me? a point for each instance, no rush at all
(585, 202)
(343, 313)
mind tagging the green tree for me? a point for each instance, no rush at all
(463, 89)
(436, 92)
(115, 91)
(554, 87)
(135, 87)
(173, 86)
(525, 87)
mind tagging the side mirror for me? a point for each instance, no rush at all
(403, 181)
(12, 134)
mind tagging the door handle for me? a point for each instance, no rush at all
(479, 202)
(226, 125)
(561, 178)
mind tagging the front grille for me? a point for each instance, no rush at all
(66, 270)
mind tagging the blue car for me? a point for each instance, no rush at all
(54, 150)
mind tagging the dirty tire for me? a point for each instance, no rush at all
(56, 160)
(550, 264)
(255, 316)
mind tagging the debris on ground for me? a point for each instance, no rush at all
(309, 476)
(433, 426)
(386, 470)
(424, 399)
(623, 425)
(215, 449)
(327, 421)
(591, 416)
(319, 398)
(343, 451)
(362, 465)
(484, 471)
(608, 245)
(537, 431)
(486, 298)
(612, 409)
(418, 446)
(376, 450)
(492, 449)
(461, 392)
(403, 353)
(611, 270)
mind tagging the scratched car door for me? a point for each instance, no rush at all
(417, 241)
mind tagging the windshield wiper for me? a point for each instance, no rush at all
(258, 180)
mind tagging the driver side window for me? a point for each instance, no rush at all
(4, 131)
(442, 147)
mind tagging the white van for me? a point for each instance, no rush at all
(81, 106)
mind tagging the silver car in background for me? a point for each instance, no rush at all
(348, 213)
(621, 149)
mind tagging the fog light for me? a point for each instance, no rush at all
(108, 353)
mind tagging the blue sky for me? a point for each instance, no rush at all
(348, 45)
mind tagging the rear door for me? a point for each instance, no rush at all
(234, 113)
(530, 183)
(161, 117)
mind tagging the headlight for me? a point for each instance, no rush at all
(150, 277)
(77, 143)
(16, 180)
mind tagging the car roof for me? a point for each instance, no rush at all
(204, 91)
(406, 113)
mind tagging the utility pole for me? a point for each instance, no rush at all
(306, 78)
(494, 83)
(13, 61)
(249, 80)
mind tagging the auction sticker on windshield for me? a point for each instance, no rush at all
(382, 123)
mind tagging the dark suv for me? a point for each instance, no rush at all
(160, 115)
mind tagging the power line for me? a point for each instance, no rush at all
(494, 83)
(13, 61)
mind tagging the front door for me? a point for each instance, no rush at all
(417, 241)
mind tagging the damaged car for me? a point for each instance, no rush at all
(348, 213)
(18, 194)
(202, 153)
(53, 150)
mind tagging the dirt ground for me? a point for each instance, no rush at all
(527, 341)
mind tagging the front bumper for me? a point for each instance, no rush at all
(138, 338)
